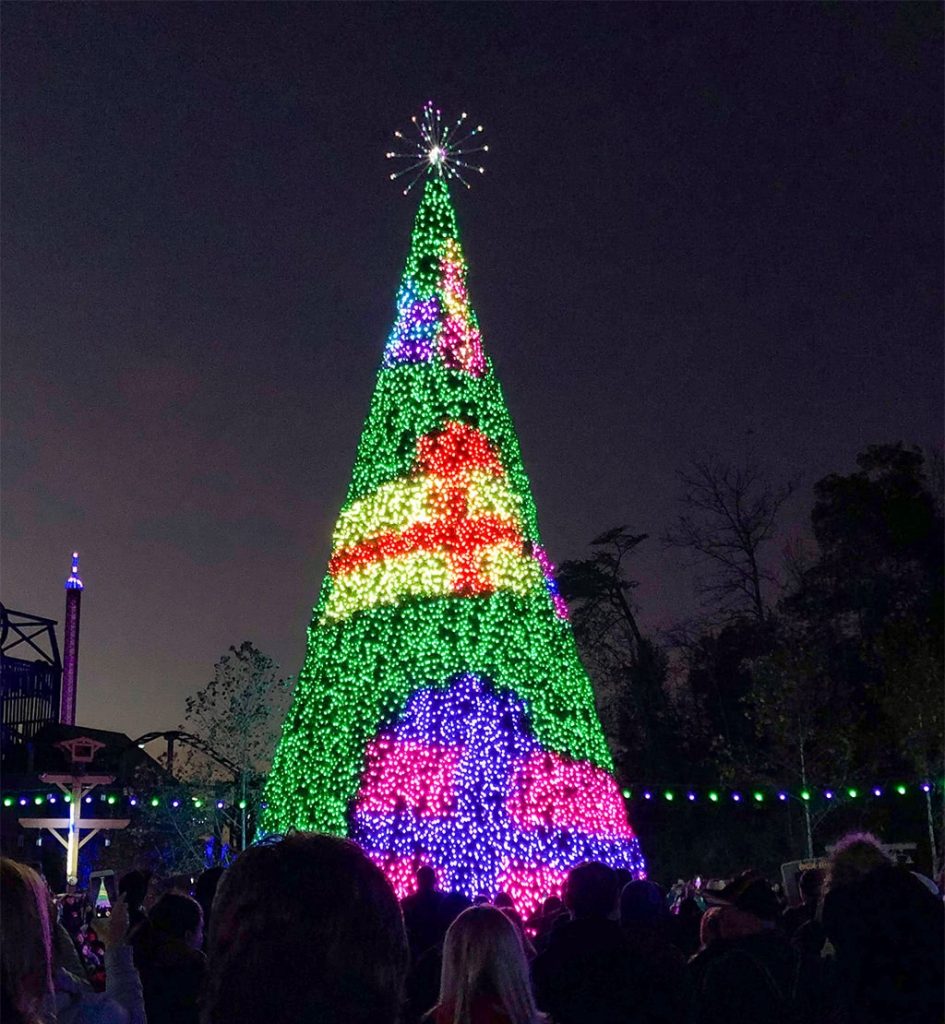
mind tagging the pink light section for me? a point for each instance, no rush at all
(551, 790)
(529, 885)
(401, 872)
(407, 774)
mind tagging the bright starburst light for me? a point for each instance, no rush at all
(440, 149)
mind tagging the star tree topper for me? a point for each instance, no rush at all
(440, 149)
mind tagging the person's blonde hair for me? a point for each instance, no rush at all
(483, 959)
(26, 949)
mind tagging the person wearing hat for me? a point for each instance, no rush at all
(746, 969)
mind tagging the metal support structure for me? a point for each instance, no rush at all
(240, 775)
(76, 787)
(30, 675)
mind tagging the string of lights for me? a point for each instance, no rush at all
(746, 794)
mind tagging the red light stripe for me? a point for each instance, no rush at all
(461, 539)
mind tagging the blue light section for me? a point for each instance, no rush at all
(473, 845)
(73, 582)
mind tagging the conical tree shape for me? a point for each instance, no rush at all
(442, 715)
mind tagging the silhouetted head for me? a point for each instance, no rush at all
(624, 878)
(205, 891)
(750, 893)
(305, 929)
(710, 927)
(591, 890)
(135, 885)
(642, 903)
(426, 879)
(26, 949)
(853, 858)
(503, 901)
(180, 916)
(810, 884)
(552, 905)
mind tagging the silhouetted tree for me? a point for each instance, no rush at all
(629, 669)
(729, 513)
(238, 714)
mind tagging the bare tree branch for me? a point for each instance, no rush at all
(728, 514)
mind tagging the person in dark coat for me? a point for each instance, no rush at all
(746, 970)
(135, 886)
(421, 911)
(809, 885)
(586, 974)
(423, 980)
(659, 965)
(888, 931)
(170, 961)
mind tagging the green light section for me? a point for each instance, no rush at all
(852, 793)
(669, 795)
(37, 799)
(805, 794)
(713, 796)
(901, 790)
(758, 796)
(112, 798)
(358, 672)
(627, 794)
(8, 801)
(154, 801)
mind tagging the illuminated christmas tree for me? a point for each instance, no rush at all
(442, 715)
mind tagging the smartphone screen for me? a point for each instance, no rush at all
(103, 891)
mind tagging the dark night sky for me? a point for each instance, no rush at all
(697, 222)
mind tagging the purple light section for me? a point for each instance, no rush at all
(548, 571)
(472, 845)
(70, 645)
(414, 335)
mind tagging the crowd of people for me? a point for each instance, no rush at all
(307, 929)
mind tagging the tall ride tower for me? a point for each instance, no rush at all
(70, 652)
